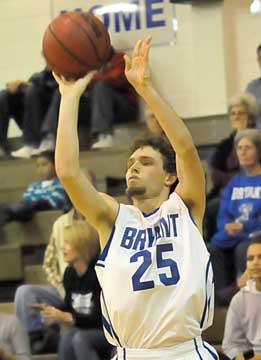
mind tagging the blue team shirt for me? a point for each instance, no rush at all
(240, 202)
(50, 190)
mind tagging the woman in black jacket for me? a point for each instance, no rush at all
(83, 337)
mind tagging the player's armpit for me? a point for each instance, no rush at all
(88, 201)
(191, 186)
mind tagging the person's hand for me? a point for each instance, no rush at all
(51, 315)
(39, 307)
(13, 86)
(137, 65)
(73, 88)
(233, 228)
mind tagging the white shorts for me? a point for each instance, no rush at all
(194, 349)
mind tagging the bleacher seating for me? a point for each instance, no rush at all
(19, 239)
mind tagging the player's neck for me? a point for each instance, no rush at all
(147, 205)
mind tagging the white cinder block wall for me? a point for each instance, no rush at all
(214, 56)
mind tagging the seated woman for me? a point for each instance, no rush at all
(243, 322)
(14, 342)
(81, 314)
(242, 113)
(239, 213)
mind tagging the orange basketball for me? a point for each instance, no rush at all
(76, 42)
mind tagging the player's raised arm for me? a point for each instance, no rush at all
(101, 211)
(189, 169)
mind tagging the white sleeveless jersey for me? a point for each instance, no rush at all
(156, 278)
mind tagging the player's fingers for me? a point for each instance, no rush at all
(136, 49)
(88, 77)
(127, 60)
(145, 48)
(57, 77)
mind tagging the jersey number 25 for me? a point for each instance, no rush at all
(162, 263)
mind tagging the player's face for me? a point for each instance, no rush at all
(254, 261)
(145, 174)
(238, 117)
(45, 168)
(247, 153)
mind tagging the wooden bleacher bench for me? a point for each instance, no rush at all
(45, 357)
(7, 308)
(214, 334)
(34, 232)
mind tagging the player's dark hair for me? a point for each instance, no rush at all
(258, 48)
(159, 143)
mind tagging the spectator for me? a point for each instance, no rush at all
(14, 343)
(242, 111)
(254, 87)
(109, 99)
(239, 213)
(11, 106)
(26, 102)
(243, 323)
(53, 266)
(46, 194)
(84, 339)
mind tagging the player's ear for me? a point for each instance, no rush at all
(170, 179)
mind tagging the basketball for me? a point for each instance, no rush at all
(75, 43)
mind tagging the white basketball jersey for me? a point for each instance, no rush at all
(156, 278)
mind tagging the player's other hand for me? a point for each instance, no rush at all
(73, 88)
(137, 65)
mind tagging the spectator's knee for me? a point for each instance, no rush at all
(23, 291)
(101, 87)
(79, 339)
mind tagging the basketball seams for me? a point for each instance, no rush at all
(108, 45)
(74, 44)
(85, 33)
(55, 69)
(68, 51)
(104, 32)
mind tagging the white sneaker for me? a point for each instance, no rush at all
(47, 144)
(104, 141)
(24, 152)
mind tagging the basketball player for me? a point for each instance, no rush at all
(154, 270)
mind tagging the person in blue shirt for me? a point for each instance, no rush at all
(239, 212)
(45, 194)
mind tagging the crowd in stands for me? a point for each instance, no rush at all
(34, 105)
(46, 194)
(64, 315)
(243, 322)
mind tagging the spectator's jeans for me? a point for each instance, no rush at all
(83, 344)
(11, 106)
(99, 109)
(228, 264)
(22, 210)
(34, 294)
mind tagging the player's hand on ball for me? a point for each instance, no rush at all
(137, 65)
(73, 88)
